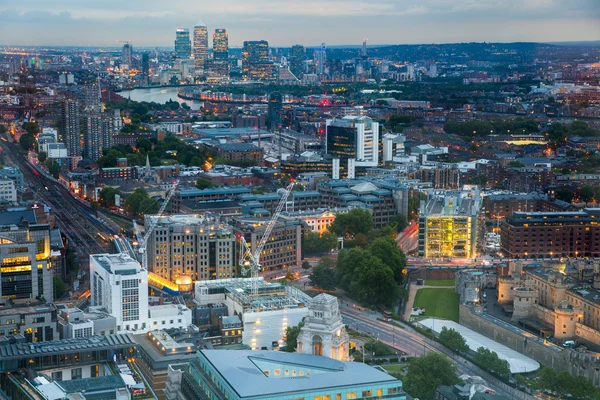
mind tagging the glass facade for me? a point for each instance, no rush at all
(341, 142)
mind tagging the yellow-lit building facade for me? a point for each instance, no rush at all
(448, 224)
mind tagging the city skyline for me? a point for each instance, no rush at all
(308, 22)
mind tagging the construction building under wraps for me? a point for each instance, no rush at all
(448, 223)
(265, 316)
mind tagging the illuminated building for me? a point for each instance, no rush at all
(25, 267)
(274, 111)
(220, 62)
(194, 246)
(70, 130)
(282, 250)
(200, 46)
(119, 285)
(97, 135)
(551, 234)
(183, 45)
(255, 61)
(145, 66)
(448, 224)
(266, 316)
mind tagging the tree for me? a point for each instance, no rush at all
(516, 164)
(453, 340)
(564, 195)
(352, 223)
(59, 288)
(139, 202)
(313, 243)
(203, 183)
(387, 250)
(42, 156)
(144, 145)
(489, 360)
(291, 337)
(586, 194)
(31, 128)
(28, 142)
(399, 222)
(53, 168)
(107, 196)
(425, 374)
(297, 188)
(305, 265)
(322, 278)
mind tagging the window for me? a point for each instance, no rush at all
(76, 373)
(57, 376)
(351, 395)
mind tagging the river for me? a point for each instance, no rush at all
(159, 95)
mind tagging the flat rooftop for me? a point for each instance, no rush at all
(244, 370)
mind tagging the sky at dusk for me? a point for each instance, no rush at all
(308, 22)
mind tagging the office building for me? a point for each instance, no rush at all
(448, 224)
(196, 246)
(183, 45)
(74, 323)
(35, 322)
(393, 146)
(320, 58)
(70, 127)
(297, 60)
(97, 135)
(354, 141)
(551, 234)
(14, 174)
(256, 65)
(282, 249)
(127, 55)
(220, 62)
(265, 316)
(119, 285)
(270, 375)
(200, 46)
(25, 267)
(189, 196)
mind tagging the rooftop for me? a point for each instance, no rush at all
(244, 370)
(16, 217)
(98, 384)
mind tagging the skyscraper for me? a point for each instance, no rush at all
(255, 61)
(146, 65)
(297, 59)
(220, 65)
(127, 57)
(200, 46)
(183, 45)
(275, 107)
(320, 58)
(70, 131)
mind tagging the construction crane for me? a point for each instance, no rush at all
(143, 241)
(249, 261)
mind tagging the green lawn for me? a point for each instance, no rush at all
(439, 282)
(441, 303)
(395, 367)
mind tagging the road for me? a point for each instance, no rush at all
(414, 344)
(80, 229)
(408, 239)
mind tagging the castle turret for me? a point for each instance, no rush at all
(524, 299)
(566, 319)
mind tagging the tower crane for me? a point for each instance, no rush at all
(250, 262)
(143, 241)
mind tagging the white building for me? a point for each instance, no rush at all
(265, 316)
(51, 132)
(393, 146)
(324, 333)
(55, 150)
(8, 191)
(120, 286)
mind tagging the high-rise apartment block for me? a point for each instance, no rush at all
(183, 45)
(97, 135)
(70, 127)
(320, 58)
(255, 61)
(194, 246)
(200, 46)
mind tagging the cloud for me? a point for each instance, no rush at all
(152, 22)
